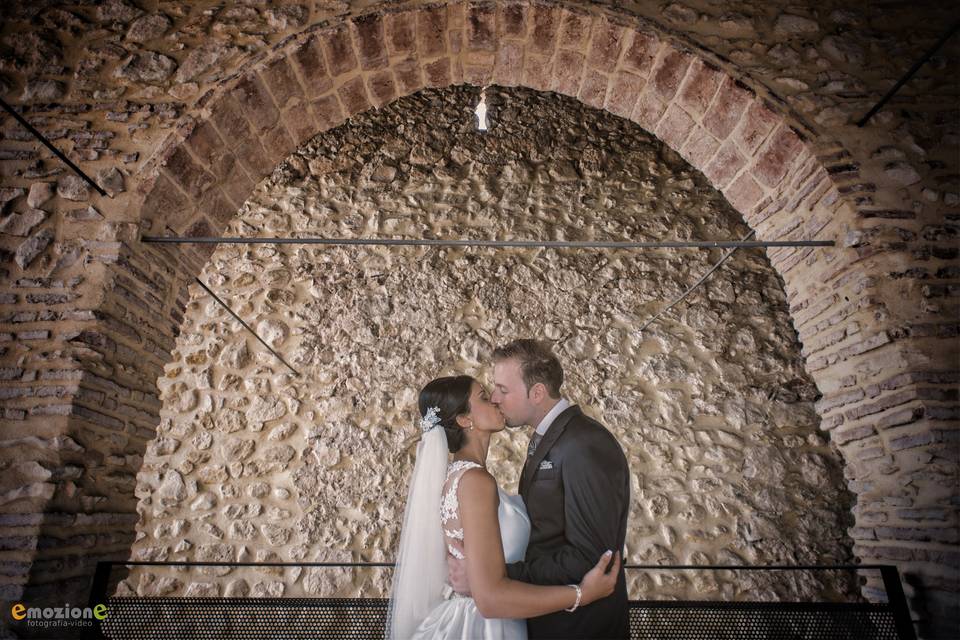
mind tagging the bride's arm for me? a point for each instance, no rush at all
(496, 595)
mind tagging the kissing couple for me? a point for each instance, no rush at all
(478, 563)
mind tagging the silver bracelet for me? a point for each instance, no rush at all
(577, 603)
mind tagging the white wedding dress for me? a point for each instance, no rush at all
(457, 616)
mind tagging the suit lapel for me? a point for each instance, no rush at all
(549, 439)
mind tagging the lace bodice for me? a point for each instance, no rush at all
(512, 515)
(450, 506)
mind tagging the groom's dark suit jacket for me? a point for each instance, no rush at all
(578, 509)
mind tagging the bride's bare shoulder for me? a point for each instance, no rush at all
(477, 483)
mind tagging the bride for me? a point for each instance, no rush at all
(458, 506)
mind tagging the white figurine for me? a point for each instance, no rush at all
(481, 112)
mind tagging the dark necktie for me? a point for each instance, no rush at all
(534, 441)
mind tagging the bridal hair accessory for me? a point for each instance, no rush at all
(430, 420)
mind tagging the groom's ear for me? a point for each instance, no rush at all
(537, 393)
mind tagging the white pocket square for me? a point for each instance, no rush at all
(546, 464)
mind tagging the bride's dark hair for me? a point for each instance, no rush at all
(451, 395)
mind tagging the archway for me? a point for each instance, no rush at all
(746, 147)
(713, 409)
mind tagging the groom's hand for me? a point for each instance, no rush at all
(457, 571)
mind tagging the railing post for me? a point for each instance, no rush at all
(898, 602)
(98, 595)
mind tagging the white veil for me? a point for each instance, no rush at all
(421, 563)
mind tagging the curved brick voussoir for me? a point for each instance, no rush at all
(316, 81)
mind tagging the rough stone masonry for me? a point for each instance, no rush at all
(180, 109)
(712, 406)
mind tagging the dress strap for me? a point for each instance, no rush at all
(450, 504)
(458, 465)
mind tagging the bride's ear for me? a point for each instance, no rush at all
(464, 422)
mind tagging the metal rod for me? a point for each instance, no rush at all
(909, 74)
(50, 146)
(151, 563)
(246, 326)
(898, 603)
(694, 286)
(545, 244)
(769, 567)
(101, 578)
(652, 567)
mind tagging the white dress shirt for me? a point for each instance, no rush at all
(548, 419)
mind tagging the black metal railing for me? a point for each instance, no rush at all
(365, 618)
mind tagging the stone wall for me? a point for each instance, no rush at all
(711, 403)
(94, 313)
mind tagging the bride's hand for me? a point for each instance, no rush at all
(599, 583)
(457, 571)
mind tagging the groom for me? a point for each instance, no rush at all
(576, 487)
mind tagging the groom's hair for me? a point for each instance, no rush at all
(537, 363)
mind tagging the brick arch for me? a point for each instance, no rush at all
(753, 153)
(746, 149)
(762, 160)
